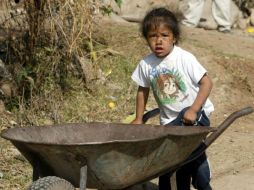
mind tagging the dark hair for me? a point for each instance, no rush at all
(159, 16)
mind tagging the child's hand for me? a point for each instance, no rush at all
(190, 117)
(137, 121)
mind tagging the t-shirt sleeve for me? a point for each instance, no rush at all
(140, 75)
(195, 70)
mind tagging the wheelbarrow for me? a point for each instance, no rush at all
(109, 155)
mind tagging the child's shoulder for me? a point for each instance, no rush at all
(183, 53)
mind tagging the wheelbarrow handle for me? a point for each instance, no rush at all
(210, 139)
(150, 114)
(226, 123)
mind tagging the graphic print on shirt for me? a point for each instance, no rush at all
(168, 86)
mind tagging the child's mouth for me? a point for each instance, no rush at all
(158, 49)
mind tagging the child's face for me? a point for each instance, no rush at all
(169, 86)
(160, 40)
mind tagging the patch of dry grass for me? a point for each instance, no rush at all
(15, 169)
(116, 58)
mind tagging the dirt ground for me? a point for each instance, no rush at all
(229, 59)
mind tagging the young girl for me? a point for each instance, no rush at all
(181, 87)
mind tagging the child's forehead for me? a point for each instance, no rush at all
(159, 26)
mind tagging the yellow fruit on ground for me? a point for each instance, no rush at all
(111, 105)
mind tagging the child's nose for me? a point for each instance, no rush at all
(158, 39)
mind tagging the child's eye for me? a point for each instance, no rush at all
(152, 36)
(165, 35)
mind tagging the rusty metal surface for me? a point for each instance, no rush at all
(117, 155)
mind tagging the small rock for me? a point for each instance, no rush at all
(6, 89)
(13, 123)
(19, 11)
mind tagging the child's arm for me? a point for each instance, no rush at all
(205, 88)
(141, 100)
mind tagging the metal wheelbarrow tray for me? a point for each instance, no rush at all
(111, 156)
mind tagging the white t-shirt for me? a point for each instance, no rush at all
(174, 81)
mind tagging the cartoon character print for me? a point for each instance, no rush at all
(169, 87)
